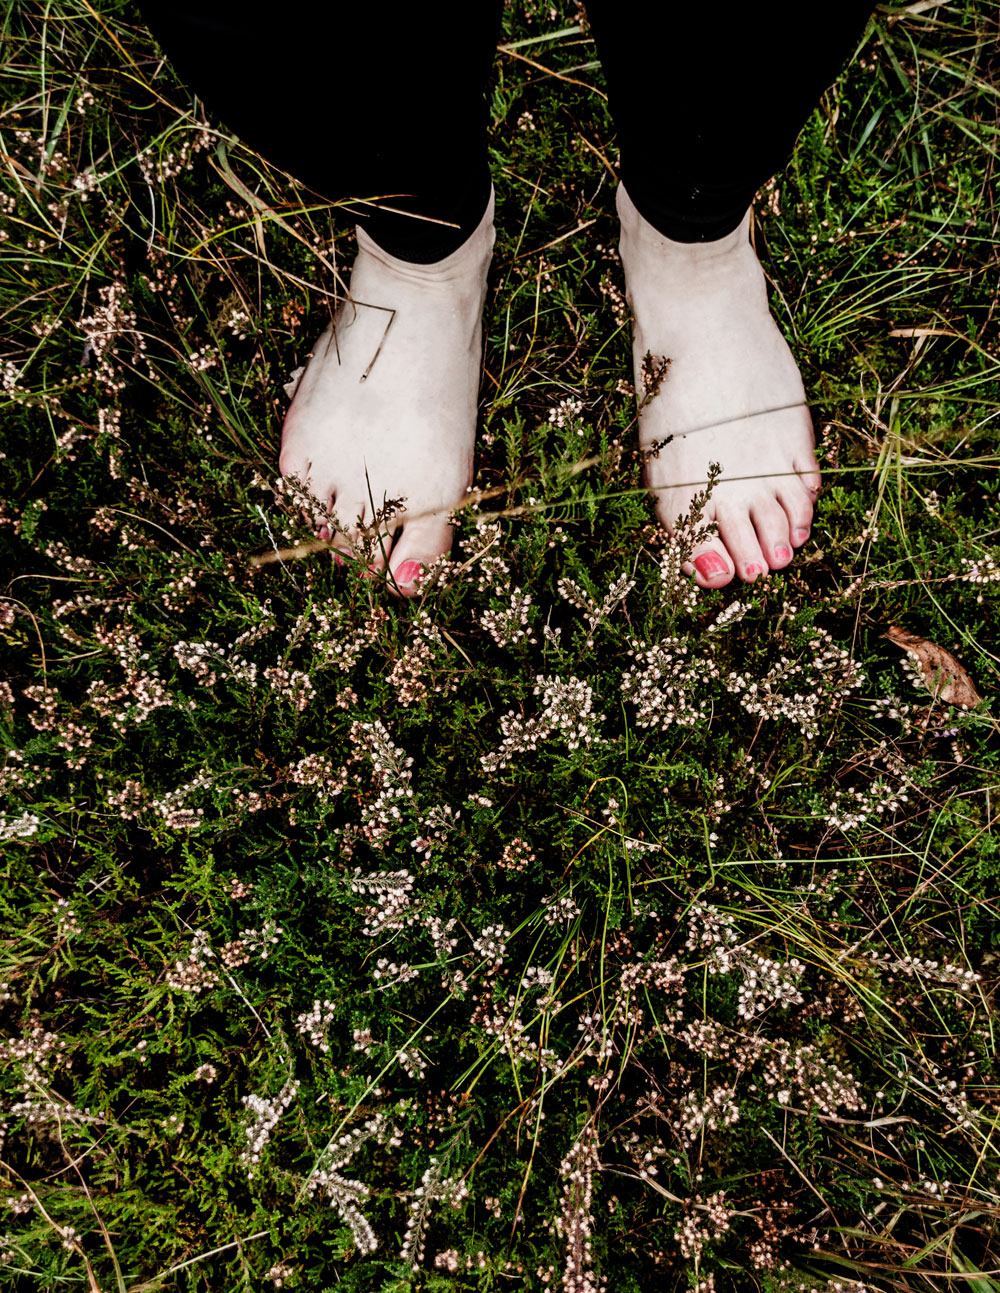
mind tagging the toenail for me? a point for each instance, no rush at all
(324, 533)
(709, 564)
(802, 534)
(755, 569)
(783, 554)
(408, 572)
(337, 557)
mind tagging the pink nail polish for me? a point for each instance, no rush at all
(783, 554)
(709, 564)
(338, 559)
(755, 569)
(408, 572)
(802, 534)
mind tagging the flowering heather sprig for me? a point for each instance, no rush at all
(434, 1187)
(819, 1081)
(821, 682)
(19, 828)
(492, 944)
(765, 982)
(67, 923)
(171, 807)
(111, 320)
(565, 413)
(392, 893)
(33, 1052)
(314, 1023)
(206, 660)
(575, 1221)
(389, 974)
(266, 1114)
(492, 572)
(251, 942)
(980, 570)
(143, 690)
(423, 650)
(509, 627)
(440, 932)
(317, 772)
(292, 685)
(732, 614)
(853, 808)
(435, 825)
(667, 684)
(693, 1115)
(594, 611)
(335, 641)
(567, 711)
(345, 1194)
(694, 1233)
(913, 967)
(41, 1108)
(194, 975)
(391, 769)
(412, 1061)
(168, 165)
(557, 911)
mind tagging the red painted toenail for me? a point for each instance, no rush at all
(408, 572)
(783, 554)
(709, 564)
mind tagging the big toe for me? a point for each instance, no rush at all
(421, 543)
(713, 567)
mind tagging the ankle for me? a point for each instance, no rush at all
(470, 260)
(639, 238)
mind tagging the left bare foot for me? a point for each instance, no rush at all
(732, 394)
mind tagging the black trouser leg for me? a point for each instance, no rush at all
(384, 109)
(708, 99)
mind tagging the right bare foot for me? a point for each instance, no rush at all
(409, 417)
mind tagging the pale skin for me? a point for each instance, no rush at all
(732, 394)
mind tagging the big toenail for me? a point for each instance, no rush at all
(709, 564)
(783, 554)
(408, 571)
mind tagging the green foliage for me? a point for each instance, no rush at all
(367, 944)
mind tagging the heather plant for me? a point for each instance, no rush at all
(566, 927)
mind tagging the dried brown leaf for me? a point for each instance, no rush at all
(942, 673)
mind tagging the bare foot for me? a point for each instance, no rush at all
(732, 394)
(409, 417)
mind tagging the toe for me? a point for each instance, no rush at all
(343, 532)
(738, 534)
(798, 505)
(293, 461)
(421, 543)
(712, 566)
(808, 472)
(771, 524)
